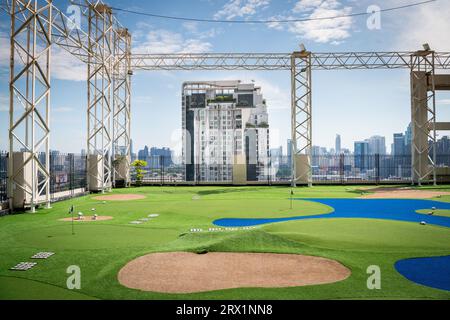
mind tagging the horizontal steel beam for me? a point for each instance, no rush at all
(75, 41)
(279, 61)
(441, 82)
(441, 126)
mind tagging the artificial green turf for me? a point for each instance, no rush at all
(440, 213)
(102, 248)
(22, 289)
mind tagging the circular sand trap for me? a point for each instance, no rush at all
(88, 219)
(402, 193)
(120, 197)
(183, 272)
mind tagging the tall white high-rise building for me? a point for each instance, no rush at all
(224, 122)
(338, 144)
(377, 145)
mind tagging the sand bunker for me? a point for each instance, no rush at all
(88, 219)
(120, 197)
(397, 193)
(183, 272)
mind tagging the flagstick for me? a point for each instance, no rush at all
(291, 199)
(71, 213)
(73, 232)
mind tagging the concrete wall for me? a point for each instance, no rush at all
(122, 169)
(22, 177)
(302, 168)
(239, 170)
(95, 167)
(443, 174)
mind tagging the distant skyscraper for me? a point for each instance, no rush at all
(361, 154)
(143, 154)
(276, 153)
(443, 150)
(289, 151)
(377, 145)
(408, 140)
(402, 142)
(161, 156)
(338, 144)
(399, 144)
(131, 150)
(316, 152)
(408, 134)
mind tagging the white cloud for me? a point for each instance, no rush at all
(192, 27)
(331, 31)
(240, 8)
(64, 65)
(277, 98)
(424, 24)
(67, 67)
(165, 41)
(306, 5)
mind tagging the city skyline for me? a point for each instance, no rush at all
(155, 112)
(284, 147)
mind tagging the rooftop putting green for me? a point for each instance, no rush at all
(101, 249)
(385, 209)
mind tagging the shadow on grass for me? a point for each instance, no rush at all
(224, 190)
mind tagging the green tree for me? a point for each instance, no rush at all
(139, 166)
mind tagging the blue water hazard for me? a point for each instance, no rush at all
(432, 272)
(386, 209)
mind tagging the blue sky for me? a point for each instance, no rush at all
(355, 104)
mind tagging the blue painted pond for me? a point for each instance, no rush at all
(432, 272)
(387, 209)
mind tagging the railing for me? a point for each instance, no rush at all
(68, 172)
(3, 176)
(332, 169)
(361, 169)
(161, 170)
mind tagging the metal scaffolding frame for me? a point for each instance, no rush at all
(31, 40)
(301, 117)
(106, 49)
(36, 25)
(121, 147)
(423, 112)
(300, 64)
(279, 61)
(100, 80)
